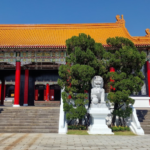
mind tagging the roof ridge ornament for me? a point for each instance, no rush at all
(147, 32)
(120, 20)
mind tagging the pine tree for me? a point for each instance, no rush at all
(84, 60)
(127, 61)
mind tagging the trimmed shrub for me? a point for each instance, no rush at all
(120, 128)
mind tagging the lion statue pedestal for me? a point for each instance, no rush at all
(98, 109)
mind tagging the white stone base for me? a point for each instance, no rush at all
(98, 115)
(16, 105)
(141, 102)
(25, 104)
(99, 130)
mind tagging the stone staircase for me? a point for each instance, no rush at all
(29, 120)
(47, 103)
(144, 118)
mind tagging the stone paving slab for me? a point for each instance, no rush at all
(37, 141)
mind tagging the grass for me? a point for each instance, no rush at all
(124, 133)
(84, 132)
(78, 132)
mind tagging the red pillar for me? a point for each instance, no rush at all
(47, 92)
(26, 85)
(17, 84)
(148, 77)
(112, 69)
(36, 94)
(52, 94)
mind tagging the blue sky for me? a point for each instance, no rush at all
(136, 12)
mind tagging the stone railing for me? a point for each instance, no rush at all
(134, 123)
(63, 128)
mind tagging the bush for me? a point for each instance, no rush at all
(77, 127)
(120, 128)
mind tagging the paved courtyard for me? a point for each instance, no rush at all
(16, 141)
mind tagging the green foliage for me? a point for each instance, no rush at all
(120, 128)
(77, 127)
(84, 60)
(127, 61)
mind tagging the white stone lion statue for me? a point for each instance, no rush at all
(97, 92)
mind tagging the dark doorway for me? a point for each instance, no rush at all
(41, 94)
(10, 90)
(40, 89)
(57, 95)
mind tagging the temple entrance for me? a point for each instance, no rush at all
(47, 91)
(39, 92)
(57, 92)
(10, 91)
(41, 95)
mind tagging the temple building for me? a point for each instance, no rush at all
(30, 56)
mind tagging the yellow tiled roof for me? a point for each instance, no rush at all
(56, 34)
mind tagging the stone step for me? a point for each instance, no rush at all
(28, 124)
(147, 131)
(144, 118)
(28, 127)
(145, 126)
(29, 111)
(50, 105)
(36, 111)
(29, 115)
(28, 130)
(39, 113)
(144, 123)
(29, 121)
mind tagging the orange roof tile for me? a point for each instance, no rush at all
(56, 34)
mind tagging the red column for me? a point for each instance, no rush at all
(148, 77)
(17, 84)
(36, 94)
(112, 69)
(26, 85)
(52, 94)
(47, 92)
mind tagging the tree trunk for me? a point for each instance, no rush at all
(124, 122)
(114, 116)
(80, 121)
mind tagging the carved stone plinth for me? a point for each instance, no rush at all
(98, 114)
